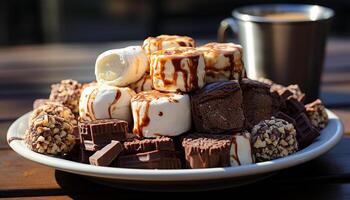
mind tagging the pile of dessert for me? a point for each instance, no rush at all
(169, 104)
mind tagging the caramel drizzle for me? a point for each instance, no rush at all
(235, 156)
(190, 78)
(90, 107)
(116, 98)
(14, 138)
(142, 122)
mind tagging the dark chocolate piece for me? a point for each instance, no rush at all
(258, 102)
(282, 115)
(150, 160)
(78, 154)
(306, 132)
(107, 154)
(294, 107)
(217, 108)
(94, 135)
(206, 150)
(138, 146)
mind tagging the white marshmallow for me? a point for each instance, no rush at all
(121, 67)
(144, 84)
(105, 102)
(241, 152)
(178, 69)
(152, 44)
(223, 61)
(160, 114)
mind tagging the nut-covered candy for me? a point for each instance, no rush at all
(272, 139)
(56, 109)
(294, 90)
(49, 134)
(317, 114)
(68, 93)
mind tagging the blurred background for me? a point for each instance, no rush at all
(63, 21)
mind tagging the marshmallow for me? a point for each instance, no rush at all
(120, 67)
(223, 61)
(240, 151)
(105, 102)
(177, 69)
(153, 44)
(144, 84)
(160, 114)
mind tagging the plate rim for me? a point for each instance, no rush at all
(178, 174)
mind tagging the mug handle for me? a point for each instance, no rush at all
(224, 26)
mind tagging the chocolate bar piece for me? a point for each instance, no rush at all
(258, 102)
(150, 160)
(205, 151)
(138, 146)
(94, 135)
(294, 107)
(217, 108)
(282, 115)
(306, 132)
(107, 154)
(78, 154)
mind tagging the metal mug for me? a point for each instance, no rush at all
(287, 50)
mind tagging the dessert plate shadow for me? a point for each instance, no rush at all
(119, 177)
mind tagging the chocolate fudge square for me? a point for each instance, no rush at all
(217, 108)
(258, 102)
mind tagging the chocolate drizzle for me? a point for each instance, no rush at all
(190, 76)
(90, 104)
(235, 155)
(14, 138)
(116, 98)
(141, 121)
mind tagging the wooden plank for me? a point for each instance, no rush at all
(3, 131)
(39, 198)
(19, 173)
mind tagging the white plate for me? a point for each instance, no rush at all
(330, 136)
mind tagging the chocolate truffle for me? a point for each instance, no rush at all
(205, 150)
(272, 139)
(317, 114)
(56, 109)
(258, 102)
(217, 108)
(294, 89)
(68, 93)
(49, 134)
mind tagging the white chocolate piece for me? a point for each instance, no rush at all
(178, 69)
(121, 67)
(144, 84)
(223, 61)
(241, 152)
(105, 102)
(160, 114)
(153, 44)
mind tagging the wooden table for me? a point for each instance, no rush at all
(27, 72)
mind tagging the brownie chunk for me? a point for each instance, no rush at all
(207, 150)
(150, 160)
(258, 102)
(136, 145)
(217, 108)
